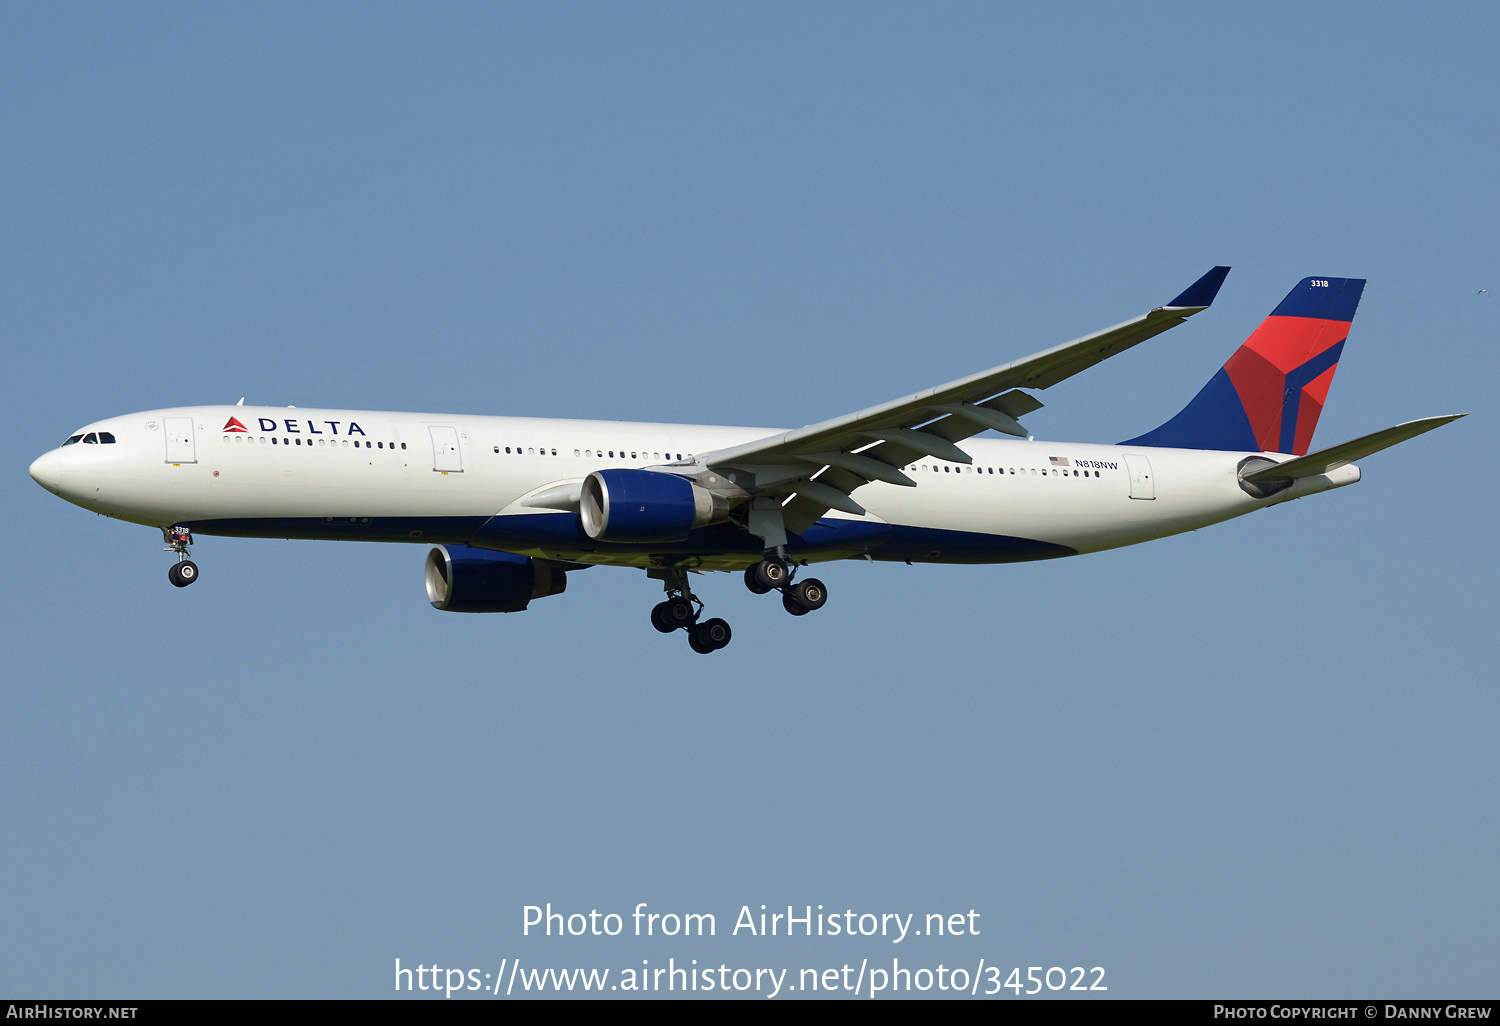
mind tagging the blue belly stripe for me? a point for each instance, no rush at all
(560, 532)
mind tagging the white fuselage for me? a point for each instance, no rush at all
(380, 476)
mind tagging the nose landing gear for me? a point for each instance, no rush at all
(184, 571)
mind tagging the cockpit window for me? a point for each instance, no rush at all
(90, 439)
(105, 438)
(73, 440)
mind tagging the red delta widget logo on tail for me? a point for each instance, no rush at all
(1270, 393)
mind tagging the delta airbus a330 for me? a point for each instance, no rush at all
(514, 505)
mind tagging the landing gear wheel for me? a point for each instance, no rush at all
(753, 582)
(678, 612)
(716, 632)
(698, 643)
(770, 573)
(810, 594)
(791, 605)
(659, 618)
(182, 574)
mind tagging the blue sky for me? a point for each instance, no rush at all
(1252, 761)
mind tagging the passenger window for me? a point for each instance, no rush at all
(575, 452)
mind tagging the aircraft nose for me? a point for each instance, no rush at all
(45, 470)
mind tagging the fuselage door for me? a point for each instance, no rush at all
(179, 432)
(1141, 485)
(445, 455)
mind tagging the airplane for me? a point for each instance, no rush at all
(513, 505)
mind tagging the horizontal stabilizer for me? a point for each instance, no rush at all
(1335, 456)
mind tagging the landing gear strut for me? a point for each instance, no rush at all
(184, 571)
(773, 574)
(681, 610)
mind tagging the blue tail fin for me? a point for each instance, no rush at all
(1269, 394)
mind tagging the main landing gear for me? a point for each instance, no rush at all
(681, 611)
(184, 571)
(773, 574)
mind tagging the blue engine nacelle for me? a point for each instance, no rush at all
(645, 506)
(463, 579)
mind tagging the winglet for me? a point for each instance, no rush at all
(1201, 293)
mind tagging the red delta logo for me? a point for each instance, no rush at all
(293, 427)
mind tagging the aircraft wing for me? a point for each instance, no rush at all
(822, 464)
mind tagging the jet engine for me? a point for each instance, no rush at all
(463, 579)
(645, 506)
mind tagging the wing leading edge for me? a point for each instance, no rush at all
(806, 472)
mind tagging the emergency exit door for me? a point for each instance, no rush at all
(446, 458)
(179, 432)
(1141, 484)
